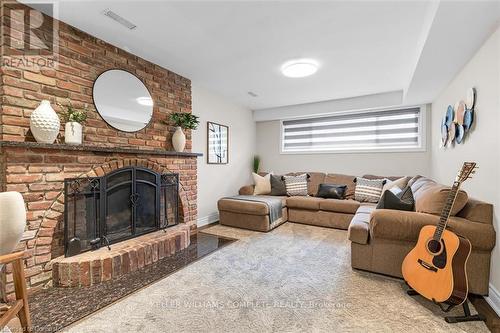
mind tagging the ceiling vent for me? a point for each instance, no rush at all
(112, 15)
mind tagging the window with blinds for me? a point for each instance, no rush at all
(372, 130)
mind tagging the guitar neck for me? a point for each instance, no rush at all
(445, 213)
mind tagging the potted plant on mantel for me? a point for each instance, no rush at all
(75, 118)
(182, 121)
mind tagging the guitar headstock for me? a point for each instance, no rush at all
(468, 168)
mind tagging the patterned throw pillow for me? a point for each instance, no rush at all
(296, 185)
(368, 190)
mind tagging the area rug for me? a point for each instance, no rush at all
(296, 278)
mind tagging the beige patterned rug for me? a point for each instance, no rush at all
(296, 278)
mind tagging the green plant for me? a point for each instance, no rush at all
(71, 114)
(256, 163)
(185, 120)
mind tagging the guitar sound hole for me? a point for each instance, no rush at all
(434, 246)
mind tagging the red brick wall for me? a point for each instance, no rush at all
(39, 173)
(81, 59)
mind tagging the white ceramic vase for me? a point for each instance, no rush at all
(73, 133)
(179, 140)
(44, 123)
(12, 220)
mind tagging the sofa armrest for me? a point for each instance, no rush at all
(405, 226)
(477, 211)
(246, 190)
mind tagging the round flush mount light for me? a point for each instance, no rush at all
(299, 68)
(147, 101)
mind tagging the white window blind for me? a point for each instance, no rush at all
(374, 130)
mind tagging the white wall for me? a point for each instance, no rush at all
(483, 143)
(357, 164)
(217, 181)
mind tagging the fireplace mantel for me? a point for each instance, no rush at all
(97, 149)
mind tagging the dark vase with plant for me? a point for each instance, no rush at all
(182, 121)
(74, 118)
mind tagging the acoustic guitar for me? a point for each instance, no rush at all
(436, 267)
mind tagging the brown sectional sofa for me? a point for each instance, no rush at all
(380, 239)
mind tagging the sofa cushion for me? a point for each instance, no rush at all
(335, 178)
(246, 207)
(339, 206)
(309, 203)
(391, 178)
(366, 208)
(405, 226)
(430, 197)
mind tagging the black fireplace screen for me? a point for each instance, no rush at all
(123, 204)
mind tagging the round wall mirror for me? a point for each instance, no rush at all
(122, 100)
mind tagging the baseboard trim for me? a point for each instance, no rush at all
(493, 299)
(211, 218)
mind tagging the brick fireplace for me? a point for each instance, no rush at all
(38, 171)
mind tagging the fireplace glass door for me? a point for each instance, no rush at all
(131, 203)
(125, 203)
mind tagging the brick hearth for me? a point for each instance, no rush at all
(37, 171)
(94, 267)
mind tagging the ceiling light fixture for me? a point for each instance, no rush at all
(299, 68)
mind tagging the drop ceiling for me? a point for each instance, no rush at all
(236, 47)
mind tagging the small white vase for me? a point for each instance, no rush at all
(12, 220)
(73, 133)
(179, 140)
(44, 123)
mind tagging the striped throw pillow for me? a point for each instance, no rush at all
(296, 185)
(368, 190)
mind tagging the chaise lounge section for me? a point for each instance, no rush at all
(380, 238)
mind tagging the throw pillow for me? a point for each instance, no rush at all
(433, 200)
(368, 190)
(400, 183)
(296, 185)
(401, 201)
(262, 184)
(335, 178)
(331, 191)
(278, 186)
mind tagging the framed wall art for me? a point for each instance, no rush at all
(217, 143)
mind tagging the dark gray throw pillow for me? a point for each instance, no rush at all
(402, 201)
(331, 191)
(277, 185)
